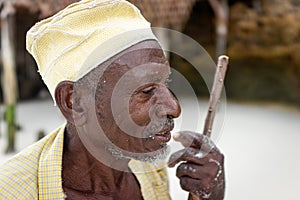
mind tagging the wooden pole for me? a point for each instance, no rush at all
(215, 94)
(221, 10)
(9, 80)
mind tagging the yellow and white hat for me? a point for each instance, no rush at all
(71, 43)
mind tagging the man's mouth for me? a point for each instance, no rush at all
(162, 137)
(161, 133)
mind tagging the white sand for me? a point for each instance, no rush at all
(261, 145)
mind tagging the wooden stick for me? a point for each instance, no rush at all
(214, 100)
(215, 94)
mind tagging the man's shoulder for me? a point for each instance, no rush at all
(19, 175)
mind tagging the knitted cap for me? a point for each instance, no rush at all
(71, 43)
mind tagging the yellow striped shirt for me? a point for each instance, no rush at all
(35, 173)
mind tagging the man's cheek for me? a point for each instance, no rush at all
(140, 116)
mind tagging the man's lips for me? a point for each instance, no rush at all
(162, 136)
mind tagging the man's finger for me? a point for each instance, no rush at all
(189, 155)
(194, 140)
(189, 184)
(189, 170)
(189, 139)
(195, 171)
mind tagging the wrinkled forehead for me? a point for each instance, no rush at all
(144, 59)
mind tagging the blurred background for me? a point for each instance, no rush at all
(261, 132)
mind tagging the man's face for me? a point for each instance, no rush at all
(134, 107)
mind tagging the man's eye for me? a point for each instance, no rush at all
(148, 90)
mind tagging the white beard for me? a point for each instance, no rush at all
(151, 157)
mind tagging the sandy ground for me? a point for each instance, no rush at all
(261, 144)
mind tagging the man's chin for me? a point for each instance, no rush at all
(150, 157)
(153, 157)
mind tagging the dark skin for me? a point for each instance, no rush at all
(152, 107)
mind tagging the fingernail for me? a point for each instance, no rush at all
(176, 136)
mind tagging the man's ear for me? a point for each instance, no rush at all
(69, 104)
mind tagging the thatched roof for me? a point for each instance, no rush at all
(45, 8)
(161, 13)
(165, 13)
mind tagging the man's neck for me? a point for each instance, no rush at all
(82, 172)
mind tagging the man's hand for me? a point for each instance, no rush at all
(202, 171)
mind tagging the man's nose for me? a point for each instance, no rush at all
(169, 106)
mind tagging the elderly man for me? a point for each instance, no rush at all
(107, 74)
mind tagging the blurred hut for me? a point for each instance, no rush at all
(171, 14)
(260, 31)
(264, 41)
(161, 13)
